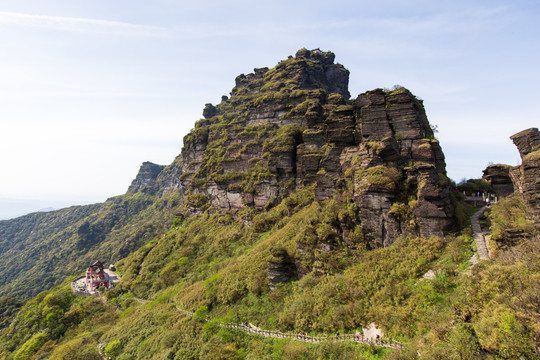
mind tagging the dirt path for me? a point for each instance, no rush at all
(481, 246)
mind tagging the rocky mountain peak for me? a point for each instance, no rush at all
(309, 69)
(293, 126)
(145, 179)
(498, 176)
(157, 179)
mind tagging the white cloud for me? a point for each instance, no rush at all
(445, 22)
(75, 24)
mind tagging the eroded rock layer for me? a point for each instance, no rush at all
(294, 126)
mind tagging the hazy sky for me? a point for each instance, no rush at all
(91, 89)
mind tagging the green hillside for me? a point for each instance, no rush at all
(216, 266)
(38, 250)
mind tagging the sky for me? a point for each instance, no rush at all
(91, 89)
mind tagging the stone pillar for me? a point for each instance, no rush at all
(526, 177)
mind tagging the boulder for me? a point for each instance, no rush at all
(281, 268)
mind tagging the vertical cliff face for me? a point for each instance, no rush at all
(526, 176)
(397, 166)
(294, 126)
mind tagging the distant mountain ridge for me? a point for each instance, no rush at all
(11, 208)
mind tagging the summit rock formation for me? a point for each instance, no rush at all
(294, 126)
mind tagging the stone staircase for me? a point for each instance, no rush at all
(481, 246)
(253, 330)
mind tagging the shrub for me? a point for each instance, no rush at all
(30, 347)
(509, 213)
(113, 348)
(381, 175)
(284, 140)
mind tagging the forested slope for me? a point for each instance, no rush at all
(38, 250)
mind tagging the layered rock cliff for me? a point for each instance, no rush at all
(294, 126)
(526, 177)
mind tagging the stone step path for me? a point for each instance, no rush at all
(481, 245)
(359, 339)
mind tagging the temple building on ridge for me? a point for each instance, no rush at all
(96, 277)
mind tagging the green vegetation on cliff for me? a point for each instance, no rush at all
(510, 214)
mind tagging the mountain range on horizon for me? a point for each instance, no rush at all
(11, 208)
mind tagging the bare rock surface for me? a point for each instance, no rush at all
(372, 332)
(281, 268)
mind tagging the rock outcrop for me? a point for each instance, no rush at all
(526, 177)
(294, 126)
(146, 177)
(281, 268)
(157, 179)
(498, 176)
